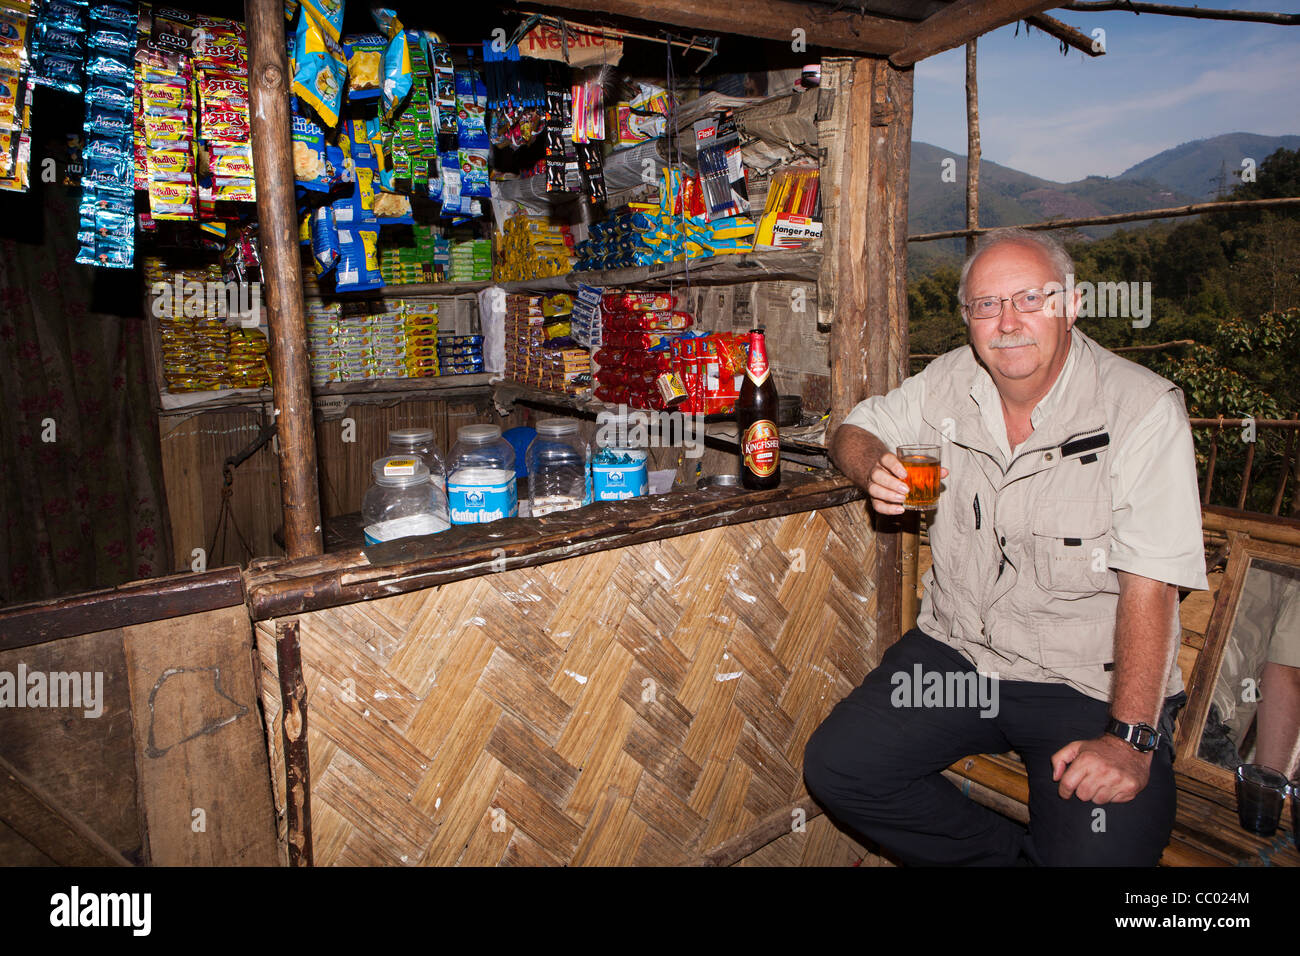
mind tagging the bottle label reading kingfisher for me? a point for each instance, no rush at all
(761, 448)
(757, 367)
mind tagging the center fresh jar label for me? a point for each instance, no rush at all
(618, 482)
(480, 495)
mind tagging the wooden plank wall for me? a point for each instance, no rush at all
(193, 450)
(179, 732)
(636, 706)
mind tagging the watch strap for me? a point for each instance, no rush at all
(1141, 737)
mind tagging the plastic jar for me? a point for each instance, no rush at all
(481, 476)
(558, 460)
(418, 443)
(619, 473)
(402, 502)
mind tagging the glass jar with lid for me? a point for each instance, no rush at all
(481, 476)
(402, 502)
(418, 443)
(558, 467)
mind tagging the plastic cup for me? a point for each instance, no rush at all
(1261, 792)
(1295, 811)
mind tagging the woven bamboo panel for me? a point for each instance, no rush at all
(633, 707)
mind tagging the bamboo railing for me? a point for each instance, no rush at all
(1247, 431)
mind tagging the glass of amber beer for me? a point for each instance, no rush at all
(922, 464)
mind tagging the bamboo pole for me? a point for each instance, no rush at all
(1195, 209)
(293, 734)
(1199, 13)
(268, 88)
(972, 149)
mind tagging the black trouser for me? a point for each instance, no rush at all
(876, 765)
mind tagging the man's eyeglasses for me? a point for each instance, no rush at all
(990, 306)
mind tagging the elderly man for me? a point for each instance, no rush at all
(1068, 520)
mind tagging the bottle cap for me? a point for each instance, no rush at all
(554, 427)
(400, 471)
(478, 434)
(410, 436)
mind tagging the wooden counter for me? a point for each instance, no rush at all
(276, 589)
(627, 684)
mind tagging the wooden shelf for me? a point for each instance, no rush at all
(372, 387)
(750, 267)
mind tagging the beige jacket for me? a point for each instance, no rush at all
(1020, 582)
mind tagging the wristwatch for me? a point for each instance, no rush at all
(1141, 737)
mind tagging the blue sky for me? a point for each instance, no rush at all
(1163, 81)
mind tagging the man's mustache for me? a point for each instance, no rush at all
(1012, 341)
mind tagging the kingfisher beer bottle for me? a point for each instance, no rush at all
(756, 413)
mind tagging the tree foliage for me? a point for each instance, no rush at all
(1229, 282)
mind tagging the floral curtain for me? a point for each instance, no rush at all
(80, 467)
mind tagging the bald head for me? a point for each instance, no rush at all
(1038, 246)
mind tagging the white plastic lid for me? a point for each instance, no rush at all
(478, 434)
(410, 436)
(554, 427)
(399, 471)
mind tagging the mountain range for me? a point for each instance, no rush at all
(1192, 172)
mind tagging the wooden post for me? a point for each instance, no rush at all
(293, 735)
(268, 89)
(1286, 471)
(972, 148)
(1209, 471)
(868, 242)
(1245, 475)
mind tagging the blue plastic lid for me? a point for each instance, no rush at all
(520, 438)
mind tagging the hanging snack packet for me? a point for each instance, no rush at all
(320, 70)
(324, 241)
(471, 111)
(474, 173)
(329, 13)
(397, 61)
(13, 40)
(391, 209)
(309, 167)
(365, 54)
(358, 265)
(10, 100)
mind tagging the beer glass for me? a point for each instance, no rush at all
(922, 465)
